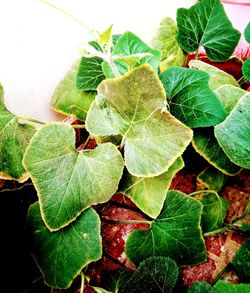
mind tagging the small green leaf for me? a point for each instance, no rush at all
(133, 59)
(201, 287)
(205, 143)
(149, 193)
(155, 274)
(233, 134)
(212, 178)
(176, 233)
(116, 279)
(217, 77)
(89, 74)
(133, 107)
(245, 227)
(229, 96)
(241, 261)
(190, 98)
(68, 181)
(247, 33)
(63, 254)
(246, 69)
(69, 100)
(165, 41)
(213, 212)
(206, 24)
(105, 39)
(226, 287)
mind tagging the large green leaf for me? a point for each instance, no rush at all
(68, 181)
(89, 74)
(246, 69)
(14, 138)
(133, 104)
(165, 41)
(233, 134)
(217, 77)
(207, 146)
(176, 233)
(63, 254)
(149, 193)
(190, 98)
(115, 279)
(201, 287)
(213, 212)
(206, 24)
(247, 33)
(226, 287)
(156, 274)
(69, 100)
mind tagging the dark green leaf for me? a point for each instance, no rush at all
(63, 254)
(225, 287)
(245, 227)
(207, 146)
(89, 73)
(155, 274)
(201, 287)
(115, 279)
(176, 233)
(68, 181)
(190, 98)
(206, 24)
(69, 100)
(233, 134)
(246, 69)
(247, 33)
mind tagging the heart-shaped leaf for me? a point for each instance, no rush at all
(190, 98)
(68, 181)
(206, 24)
(149, 193)
(246, 69)
(63, 254)
(69, 100)
(133, 105)
(176, 233)
(14, 138)
(247, 33)
(233, 134)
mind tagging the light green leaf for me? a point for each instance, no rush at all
(206, 24)
(233, 134)
(190, 98)
(69, 100)
(133, 59)
(149, 193)
(133, 105)
(68, 181)
(155, 274)
(207, 146)
(247, 33)
(165, 41)
(105, 39)
(246, 69)
(217, 77)
(229, 96)
(89, 74)
(212, 178)
(226, 287)
(63, 254)
(201, 287)
(213, 212)
(176, 233)
(14, 138)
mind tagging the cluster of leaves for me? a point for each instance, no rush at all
(144, 109)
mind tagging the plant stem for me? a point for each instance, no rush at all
(197, 54)
(82, 282)
(86, 142)
(217, 231)
(121, 146)
(31, 120)
(113, 67)
(202, 191)
(76, 126)
(128, 221)
(220, 274)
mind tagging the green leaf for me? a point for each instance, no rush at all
(241, 261)
(205, 143)
(63, 254)
(245, 227)
(132, 105)
(233, 134)
(201, 287)
(190, 98)
(246, 69)
(212, 178)
(115, 279)
(217, 77)
(176, 233)
(155, 274)
(165, 41)
(149, 193)
(226, 287)
(105, 39)
(247, 33)
(206, 24)
(68, 181)
(89, 74)
(213, 212)
(14, 138)
(69, 100)
(229, 96)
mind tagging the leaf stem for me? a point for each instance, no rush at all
(128, 221)
(202, 191)
(31, 120)
(197, 54)
(82, 282)
(76, 126)
(86, 142)
(113, 67)
(220, 274)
